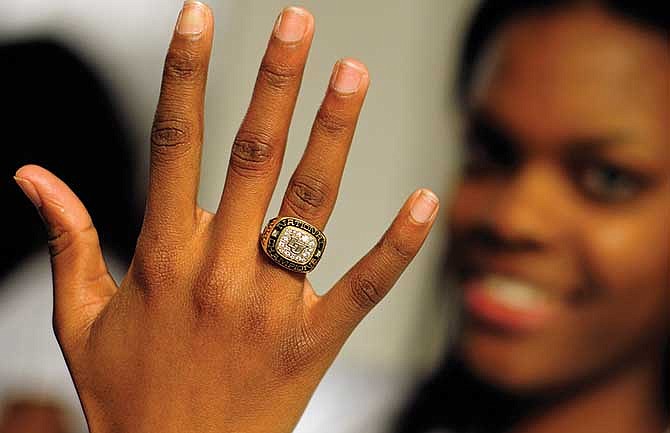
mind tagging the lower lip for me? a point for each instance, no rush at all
(488, 309)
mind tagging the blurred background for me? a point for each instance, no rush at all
(406, 138)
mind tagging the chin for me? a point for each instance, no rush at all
(517, 367)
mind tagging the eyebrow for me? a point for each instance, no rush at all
(595, 143)
(482, 119)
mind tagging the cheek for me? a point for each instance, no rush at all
(629, 254)
(628, 259)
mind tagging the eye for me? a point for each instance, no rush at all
(488, 152)
(478, 159)
(608, 183)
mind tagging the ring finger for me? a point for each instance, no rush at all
(312, 191)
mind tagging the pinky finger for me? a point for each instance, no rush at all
(360, 289)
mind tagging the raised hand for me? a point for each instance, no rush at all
(205, 333)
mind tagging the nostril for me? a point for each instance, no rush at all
(489, 238)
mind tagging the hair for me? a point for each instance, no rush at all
(60, 115)
(493, 15)
(452, 396)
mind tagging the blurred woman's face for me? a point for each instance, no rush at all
(561, 226)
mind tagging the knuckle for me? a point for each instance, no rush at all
(170, 137)
(61, 241)
(394, 249)
(308, 195)
(365, 292)
(277, 76)
(157, 271)
(58, 242)
(252, 154)
(331, 122)
(183, 64)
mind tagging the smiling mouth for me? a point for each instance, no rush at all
(508, 303)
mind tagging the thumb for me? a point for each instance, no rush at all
(82, 284)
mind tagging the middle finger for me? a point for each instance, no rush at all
(258, 149)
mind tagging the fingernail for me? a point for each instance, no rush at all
(191, 20)
(347, 77)
(29, 190)
(291, 25)
(424, 207)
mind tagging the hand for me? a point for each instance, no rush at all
(205, 333)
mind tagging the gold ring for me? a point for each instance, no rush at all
(293, 244)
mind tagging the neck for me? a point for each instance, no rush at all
(625, 402)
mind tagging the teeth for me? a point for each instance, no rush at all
(515, 293)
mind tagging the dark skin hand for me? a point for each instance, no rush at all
(205, 334)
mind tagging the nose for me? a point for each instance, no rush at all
(525, 213)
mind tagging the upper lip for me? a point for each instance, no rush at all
(535, 271)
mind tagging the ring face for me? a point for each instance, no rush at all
(293, 244)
